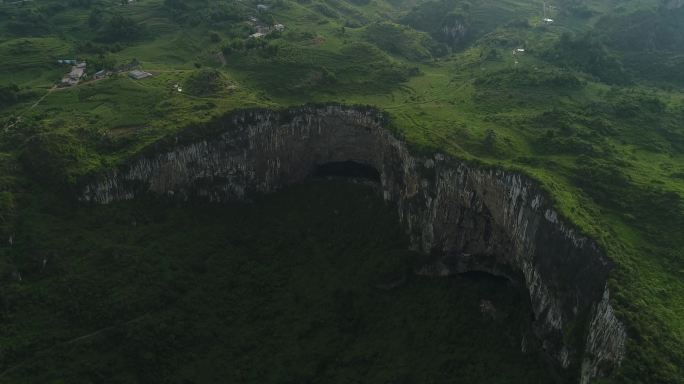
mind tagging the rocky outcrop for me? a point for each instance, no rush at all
(605, 341)
(471, 218)
(454, 29)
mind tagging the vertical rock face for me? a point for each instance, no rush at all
(471, 218)
(455, 32)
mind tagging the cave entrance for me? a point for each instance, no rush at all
(347, 169)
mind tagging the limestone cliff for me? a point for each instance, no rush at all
(469, 217)
(454, 32)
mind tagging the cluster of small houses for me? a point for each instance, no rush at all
(263, 29)
(78, 68)
(518, 51)
(78, 72)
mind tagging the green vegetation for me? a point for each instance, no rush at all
(445, 20)
(593, 108)
(204, 82)
(403, 41)
(291, 288)
(9, 94)
(119, 28)
(303, 71)
(589, 55)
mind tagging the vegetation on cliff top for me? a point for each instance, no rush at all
(591, 105)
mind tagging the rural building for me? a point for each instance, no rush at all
(138, 74)
(73, 77)
(68, 82)
(279, 27)
(100, 74)
(257, 35)
(76, 72)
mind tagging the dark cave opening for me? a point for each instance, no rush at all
(347, 169)
(481, 275)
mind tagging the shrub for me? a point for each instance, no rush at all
(9, 94)
(214, 37)
(121, 28)
(204, 82)
(587, 54)
(50, 157)
(489, 142)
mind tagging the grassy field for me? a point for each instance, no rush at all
(590, 116)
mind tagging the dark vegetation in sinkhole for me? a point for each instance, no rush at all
(309, 285)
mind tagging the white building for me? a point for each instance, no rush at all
(73, 77)
(138, 74)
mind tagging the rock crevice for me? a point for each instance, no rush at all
(473, 218)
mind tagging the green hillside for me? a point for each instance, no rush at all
(593, 108)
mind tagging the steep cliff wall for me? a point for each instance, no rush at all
(470, 218)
